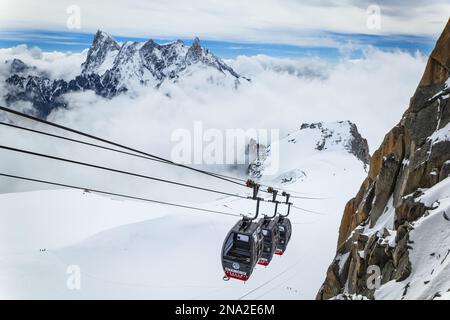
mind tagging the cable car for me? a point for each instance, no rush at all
(270, 233)
(243, 245)
(285, 232)
(250, 242)
(242, 249)
(284, 228)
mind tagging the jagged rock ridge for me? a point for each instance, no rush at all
(311, 138)
(413, 157)
(110, 69)
(352, 140)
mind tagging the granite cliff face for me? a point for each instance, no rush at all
(378, 224)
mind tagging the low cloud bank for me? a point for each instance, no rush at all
(372, 92)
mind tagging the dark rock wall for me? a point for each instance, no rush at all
(407, 160)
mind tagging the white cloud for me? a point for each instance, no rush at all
(280, 21)
(57, 65)
(373, 92)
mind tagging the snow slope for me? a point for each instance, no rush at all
(305, 148)
(429, 252)
(126, 249)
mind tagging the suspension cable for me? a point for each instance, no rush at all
(24, 115)
(140, 154)
(77, 141)
(115, 150)
(148, 156)
(310, 211)
(117, 194)
(120, 171)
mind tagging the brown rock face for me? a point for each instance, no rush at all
(437, 69)
(407, 160)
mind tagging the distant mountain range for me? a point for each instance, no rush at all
(110, 69)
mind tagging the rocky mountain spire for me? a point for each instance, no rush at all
(414, 156)
(195, 52)
(196, 42)
(438, 66)
(102, 46)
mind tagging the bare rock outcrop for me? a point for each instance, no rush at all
(412, 156)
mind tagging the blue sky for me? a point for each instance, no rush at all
(286, 28)
(348, 44)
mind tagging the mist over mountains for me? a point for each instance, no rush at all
(110, 69)
(148, 114)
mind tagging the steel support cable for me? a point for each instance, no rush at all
(310, 211)
(147, 155)
(128, 173)
(77, 141)
(90, 165)
(295, 197)
(120, 171)
(270, 280)
(113, 150)
(24, 115)
(308, 198)
(116, 194)
(276, 286)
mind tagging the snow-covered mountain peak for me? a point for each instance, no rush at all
(308, 142)
(101, 54)
(112, 68)
(339, 135)
(102, 38)
(196, 42)
(16, 65)
(195, 52)
(342, 136)
(146, 61)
